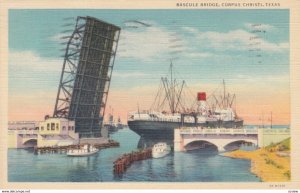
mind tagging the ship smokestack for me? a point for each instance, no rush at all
(201, 97)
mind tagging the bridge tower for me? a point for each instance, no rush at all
(86, 74)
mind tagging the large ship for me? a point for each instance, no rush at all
(159, 123)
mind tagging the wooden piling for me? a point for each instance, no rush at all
(123, 162)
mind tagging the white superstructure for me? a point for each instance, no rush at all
(86, 150)
(158, 116)
(160, 150)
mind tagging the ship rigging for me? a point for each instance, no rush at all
(174, 107)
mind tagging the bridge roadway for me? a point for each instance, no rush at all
(222, 138)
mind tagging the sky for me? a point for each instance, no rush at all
(249, 49)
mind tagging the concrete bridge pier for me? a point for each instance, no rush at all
(221, 149)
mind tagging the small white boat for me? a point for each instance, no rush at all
(86, 150)
(160, 150)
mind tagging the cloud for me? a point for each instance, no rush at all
(30, 61)
(190, 29)
(148, 43)
(199, 54)
(263, 27)
(271, 47)
(237, 40)
(129, 74)
(142, 40)
(33, 83)
(263, 79)
(30, 73)
(155, 42)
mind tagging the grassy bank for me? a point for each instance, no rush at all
(271, 164)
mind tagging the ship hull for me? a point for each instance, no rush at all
(155, 129)
(165, 129)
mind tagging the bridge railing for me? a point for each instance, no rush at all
(27, 132)
(204, 131)
(276, 131)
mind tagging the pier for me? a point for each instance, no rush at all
(123, 162)
(63, 149)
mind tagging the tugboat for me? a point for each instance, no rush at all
(160, 150)
(86, 150)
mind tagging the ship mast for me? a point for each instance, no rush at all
(172, 89)
(173, 95)
(169, 93)
(224, 99)
(224, 93)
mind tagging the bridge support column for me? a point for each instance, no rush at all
(221, 149)
(178, 146)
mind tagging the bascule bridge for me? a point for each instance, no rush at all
(86, 74)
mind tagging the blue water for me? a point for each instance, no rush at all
(198, 166)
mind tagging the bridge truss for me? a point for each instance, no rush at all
(86, 74)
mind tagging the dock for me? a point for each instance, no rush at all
(64, 149)
(123, 162)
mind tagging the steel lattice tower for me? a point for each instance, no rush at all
(86, 74)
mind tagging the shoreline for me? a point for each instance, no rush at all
(269, 166)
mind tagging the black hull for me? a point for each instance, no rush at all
(164, 130)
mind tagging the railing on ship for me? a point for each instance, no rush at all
(159, 119)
